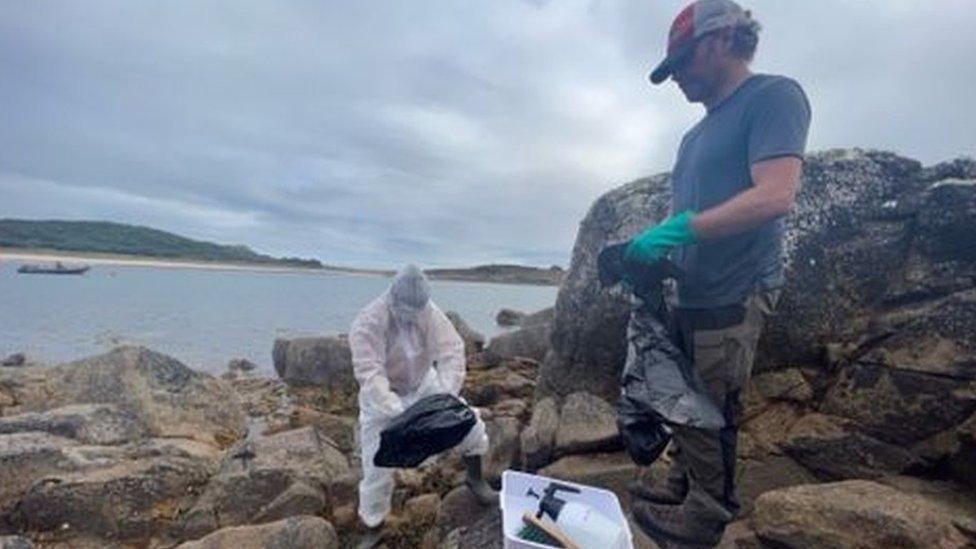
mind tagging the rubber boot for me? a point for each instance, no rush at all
(672, 492)
(476, 483)
(370, 538)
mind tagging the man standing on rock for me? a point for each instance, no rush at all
(734, 180)
(403, 349)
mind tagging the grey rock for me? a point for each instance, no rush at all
(509, 317)
(474, 341)
(309, 532)
(530, 342)
(587, 423)
(16, 359)
(900, 406)
(25, 458)
(609, 471)
(755, 477)
(866, 250)
(85, 423)
(241, 365)
(460, 508)
(169, 398)
(539, 437)
(323, 361)
(789, 385)
(120, 492)
(298, 499)
(859, 513)
(15, 542)
(588, 328)
(503, 452)
(292, 472)
(544, 316)
(485, 533)
(831, 448)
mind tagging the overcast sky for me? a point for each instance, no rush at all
(450, 133)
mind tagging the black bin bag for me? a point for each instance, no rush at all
(658, 387)
(431, 425)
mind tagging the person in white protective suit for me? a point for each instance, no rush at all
(403, 349)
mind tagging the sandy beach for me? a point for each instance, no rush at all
(72, 258)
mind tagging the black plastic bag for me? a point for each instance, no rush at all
(430, 426)
(658, 387)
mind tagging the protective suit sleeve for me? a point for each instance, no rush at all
(367, 341)
(447, 349)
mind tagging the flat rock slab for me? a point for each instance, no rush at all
(102, 424)
(858, 513)
(307, 532)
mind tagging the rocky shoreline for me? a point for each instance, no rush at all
(859, 427)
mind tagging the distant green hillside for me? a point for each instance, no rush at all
(119, 238)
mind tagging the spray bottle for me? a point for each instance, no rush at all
(586, 526)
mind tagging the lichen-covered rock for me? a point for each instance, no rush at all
(873, 241)
(588, 327)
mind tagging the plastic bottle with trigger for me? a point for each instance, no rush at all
(582, 523)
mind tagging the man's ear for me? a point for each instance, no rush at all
(721, 43)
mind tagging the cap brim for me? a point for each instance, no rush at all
(666, 67)
(662, 71)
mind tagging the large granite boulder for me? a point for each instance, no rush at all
(147, 389)
(305, 531)
(323, 361)
(587, 338)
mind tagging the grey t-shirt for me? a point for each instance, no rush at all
(766, 117)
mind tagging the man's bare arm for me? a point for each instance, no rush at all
(773, 193)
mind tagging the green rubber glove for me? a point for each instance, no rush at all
(656, 241)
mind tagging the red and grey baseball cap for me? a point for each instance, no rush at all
(696, 20)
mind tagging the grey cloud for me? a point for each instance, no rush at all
(450, 133)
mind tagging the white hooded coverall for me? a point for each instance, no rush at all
(396, 364)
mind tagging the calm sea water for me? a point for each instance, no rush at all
(206, 317)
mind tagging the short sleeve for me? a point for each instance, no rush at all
(779, 122)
